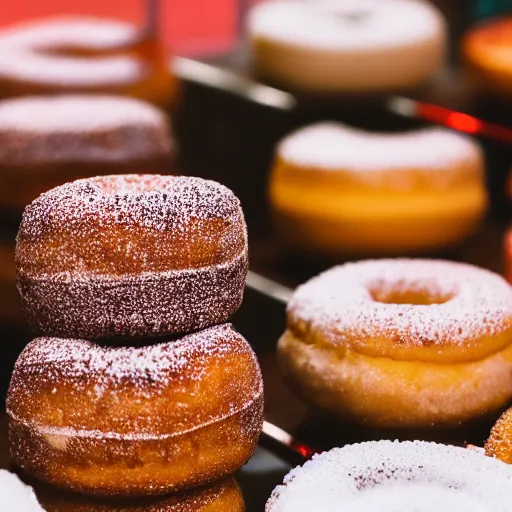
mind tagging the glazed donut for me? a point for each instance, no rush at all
(338, 190)
(16, 495)
(486, 51)
(131, 256)
(84, 55)
(401, 343)
(354, 46)
(45, 142)
(223, 496)
(135, 421)
(395, 477)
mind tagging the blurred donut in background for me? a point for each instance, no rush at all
(335, 190)
(352, 46)
(487, 53)
(84, 55)
(47, 141)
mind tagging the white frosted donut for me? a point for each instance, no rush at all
(336, 189)
(396, 477)
(401, 343)
(77, 54)
(16, 495)
(347, 46)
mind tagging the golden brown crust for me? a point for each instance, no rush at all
(223, 496)
(499, 444)
(135, 421)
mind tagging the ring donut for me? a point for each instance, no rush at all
(83, 55)
(401, 343)
(392, 476)
(131, 256)
(135, 421)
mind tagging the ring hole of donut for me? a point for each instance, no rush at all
(130, 184)
(413, 294)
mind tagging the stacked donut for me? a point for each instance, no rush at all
(136, 387)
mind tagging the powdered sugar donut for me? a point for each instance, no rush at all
(328, 46)
(223, 496)
(131, 255)
(83, 54)
(401, 343)
(395, 477)
(338, 190)
(46, 141)
(132, 421)
(16, 495)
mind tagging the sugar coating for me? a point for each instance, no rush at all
(81, 128)
(436, 153)
(112, 256)
(399, 477)
(499, 444)
(349, 26)
(79, 372)
(26, 53)
(349, 303)
(16, 495)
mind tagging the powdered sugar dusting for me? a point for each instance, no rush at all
(78, 128)
(350, 26)
(391, 305)
(399, 477)
(26, 53)
(67, 369)
(16, 495)
(436, 156)
(131, 255)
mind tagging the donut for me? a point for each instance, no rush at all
(486, 51)
(135, 421)
(16, 495)
(354, 46)
(499, 444)
(223, 496)
(401, 343)
(83, 55)
(131, 256)
(46, 141)
(335, 190)
(395, 477)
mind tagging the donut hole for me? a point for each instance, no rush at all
(414, 294)
(132, 184)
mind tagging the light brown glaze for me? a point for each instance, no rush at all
(132, 421)
(223, 496)
(131, 255)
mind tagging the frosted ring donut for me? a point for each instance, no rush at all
(135, 421)
(223, 496)
(395, 477)
(83, 54)
(401, 343)
(338, 190)
(327, 46)
(131, 256)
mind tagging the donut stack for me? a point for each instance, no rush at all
(136, 388)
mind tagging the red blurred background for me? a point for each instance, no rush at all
(188, 26)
